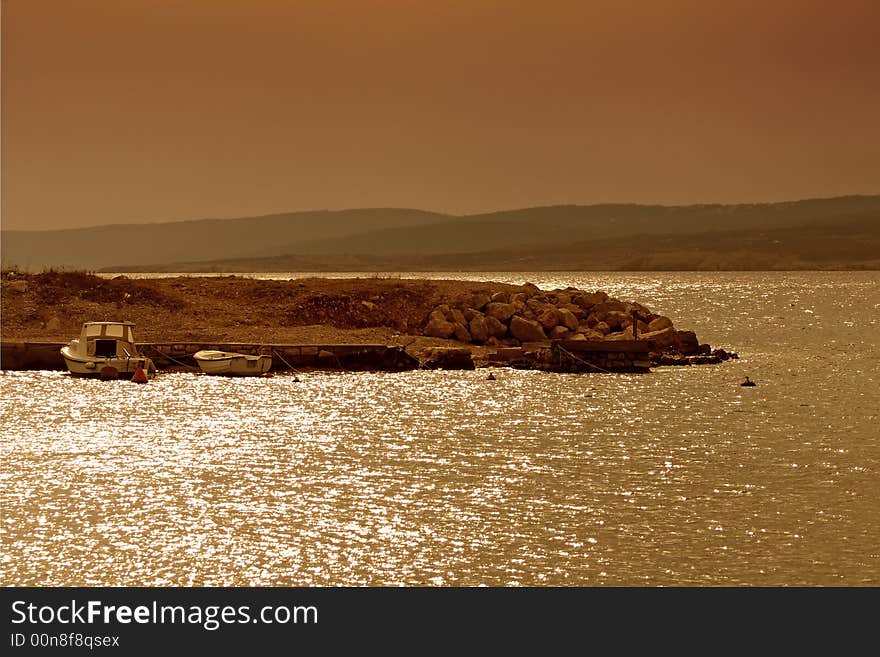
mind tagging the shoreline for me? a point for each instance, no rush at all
(431, 320)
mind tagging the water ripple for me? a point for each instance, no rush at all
(443, 478)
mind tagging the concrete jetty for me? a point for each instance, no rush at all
(23, 355)
(584, 356)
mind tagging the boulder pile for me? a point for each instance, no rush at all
(511, 319)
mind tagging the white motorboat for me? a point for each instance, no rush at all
(104, 345)
(231, 363)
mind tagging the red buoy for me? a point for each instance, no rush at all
(139, 375)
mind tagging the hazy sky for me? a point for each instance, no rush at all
(118, 111)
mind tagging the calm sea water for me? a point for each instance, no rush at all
(679, 477)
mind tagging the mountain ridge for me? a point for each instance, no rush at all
(389, 235)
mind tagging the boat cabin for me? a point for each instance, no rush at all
(107, 340)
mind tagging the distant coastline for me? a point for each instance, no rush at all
(817, 234)
(441, 323)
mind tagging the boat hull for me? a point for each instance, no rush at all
(231, 364)
(126, 367)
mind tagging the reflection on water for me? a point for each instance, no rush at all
(677, 477)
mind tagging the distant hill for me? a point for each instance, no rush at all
(852, 244)
(837, 233)
(537, 227)
(203, 239)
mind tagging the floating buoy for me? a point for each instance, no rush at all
(139, 375)
(748, 383)
(109, 373)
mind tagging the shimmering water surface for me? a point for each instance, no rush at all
(442, 478)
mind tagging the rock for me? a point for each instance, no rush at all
(559, 333)
(19, 287)
(625, 334)
(526, 330)
(590, 334)
(640, 311)
(437, 316)
(617, 319)
(527, 313)
(612, 305)
(439, 328)
(588, 299)
(531, 289)
(496, 328)
(706, 350)
(519, 298)
(479, 329)
(602, 328)
(500, 311)
(480, 300)
(549, 318)
(580, 301)
(53, 324)
(662, 339)
(687, 342)
(500, 297)
(445, 309)
(537, 306)
(575, 310)
(578, 336)
(447, 358)
(562, 298)
(369, 305)
(470, 313)
(458, 317)
(461, 333)
(667, 359)
(659, 324)
(568, 319)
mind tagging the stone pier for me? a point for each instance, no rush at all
(19, 355)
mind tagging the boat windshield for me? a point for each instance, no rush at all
(117, 331)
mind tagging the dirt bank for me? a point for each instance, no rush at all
(415, 313)
(52, 306)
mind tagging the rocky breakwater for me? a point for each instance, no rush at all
(520, 324)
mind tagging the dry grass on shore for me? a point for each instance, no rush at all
(52, 305)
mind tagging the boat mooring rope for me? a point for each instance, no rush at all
(173, 359)
(587, 363)
(289, 366)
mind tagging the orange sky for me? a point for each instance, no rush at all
(118, 111)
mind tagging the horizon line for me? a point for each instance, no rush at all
(162, 222)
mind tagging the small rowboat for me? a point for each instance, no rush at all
(232, 364)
